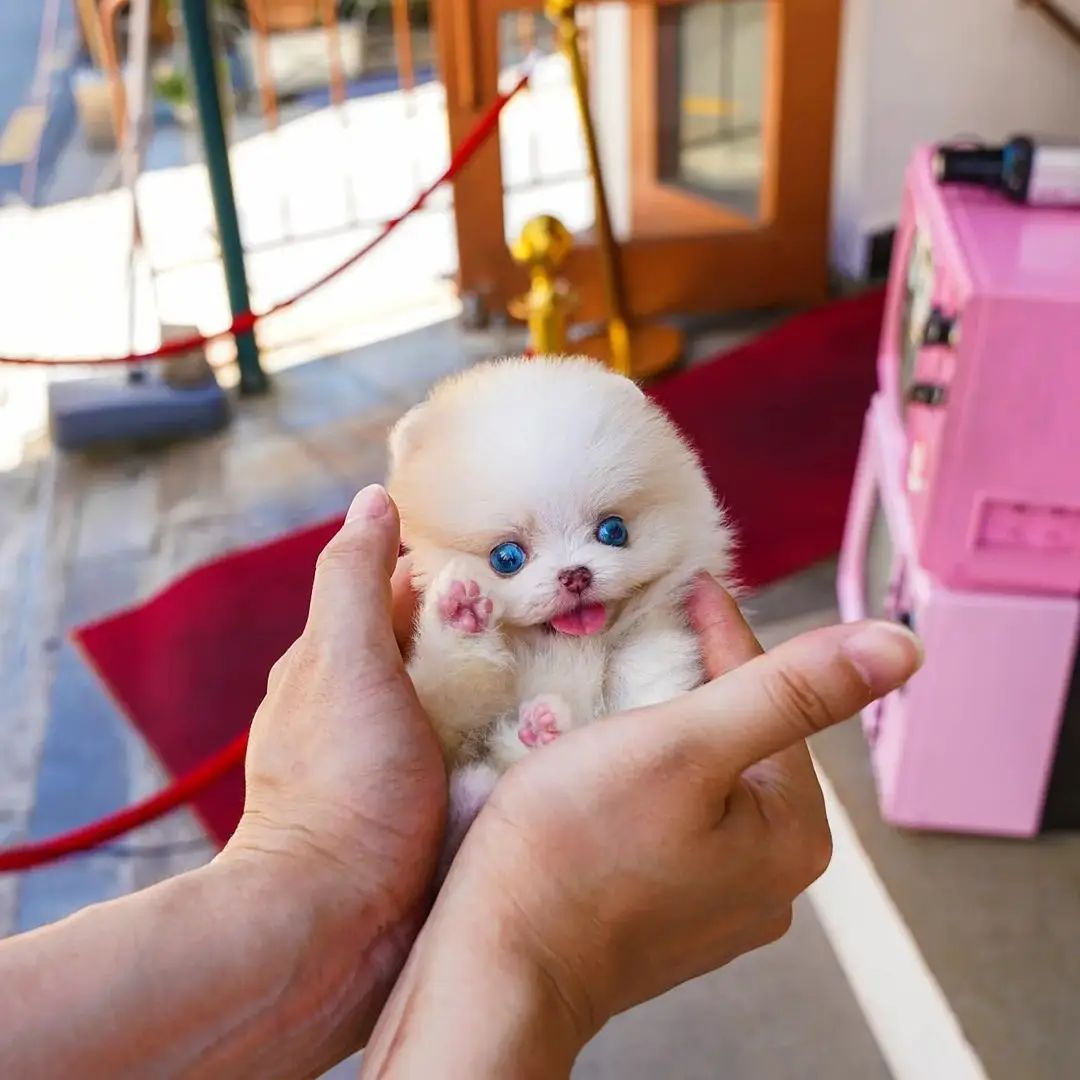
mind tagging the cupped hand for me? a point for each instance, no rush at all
(662, 843)
(346, 788)
(639, 851)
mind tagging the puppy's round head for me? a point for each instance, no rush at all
(565, 489)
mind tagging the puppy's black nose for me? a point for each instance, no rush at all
(576, 579)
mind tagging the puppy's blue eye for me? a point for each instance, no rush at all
(612, 531)
(507, 559)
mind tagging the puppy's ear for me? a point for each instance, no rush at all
(406, 435)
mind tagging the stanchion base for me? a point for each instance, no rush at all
(654, 349)
(111, 409)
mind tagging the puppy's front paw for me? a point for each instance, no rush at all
(542, 720)
(462, 605)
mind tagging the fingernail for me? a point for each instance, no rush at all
(885, 654)
(372, 502)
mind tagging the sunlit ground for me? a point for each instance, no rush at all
(308, 195)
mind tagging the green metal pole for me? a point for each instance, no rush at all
(253, 379)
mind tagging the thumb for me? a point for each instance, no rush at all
(350, 597)
(803, 686)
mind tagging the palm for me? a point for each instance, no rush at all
(341, 750)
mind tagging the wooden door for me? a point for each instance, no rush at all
(731, 116)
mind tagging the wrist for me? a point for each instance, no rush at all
(339, 888)
(477, 1000)
(339, 950)
(543, 975)
(528, 987)
(521, 915)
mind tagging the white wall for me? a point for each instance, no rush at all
(916, 71)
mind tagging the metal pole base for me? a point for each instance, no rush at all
(654, 349)
(96, 411)
(253, 381)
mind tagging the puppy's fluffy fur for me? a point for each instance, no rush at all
(539, 452)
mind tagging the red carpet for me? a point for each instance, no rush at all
(777, 423)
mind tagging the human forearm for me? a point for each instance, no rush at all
(475, 1002)
(276, 958)
(233, 969)
(631, 855)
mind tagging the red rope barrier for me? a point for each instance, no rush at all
(183, 789)
(37, 852)
(247, 320)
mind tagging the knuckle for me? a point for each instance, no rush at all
(795, 697)
(351, 542)
(292, 659)
(338, 549)
(300, 656)
(678, 768)
(805, 855)
(819, 852)
(779, 924)
(276, 671)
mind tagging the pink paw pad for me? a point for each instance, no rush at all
(541, 721)
(465, 608)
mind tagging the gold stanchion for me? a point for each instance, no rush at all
(645, 350)
(561, 13)
(542, 248)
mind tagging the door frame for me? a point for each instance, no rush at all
(685, 254)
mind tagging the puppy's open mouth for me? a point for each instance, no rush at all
(580, 621)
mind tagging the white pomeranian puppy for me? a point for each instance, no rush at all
(555, 521)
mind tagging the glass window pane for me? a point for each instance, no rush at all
(544, 166)
(712, 66)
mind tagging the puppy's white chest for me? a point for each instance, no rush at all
(573, 668)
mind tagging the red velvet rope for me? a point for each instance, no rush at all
(246, 320)
(184, 788)
(37, 852)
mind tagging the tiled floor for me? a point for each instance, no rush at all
(996, 922)
(760, 1018)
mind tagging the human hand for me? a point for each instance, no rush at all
(274, 959)
(346, 788)
(635, 853)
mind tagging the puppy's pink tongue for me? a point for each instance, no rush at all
(581, 622)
